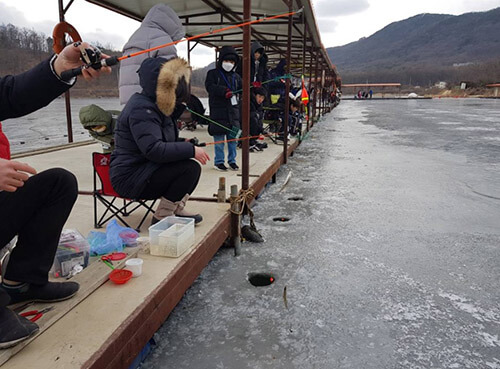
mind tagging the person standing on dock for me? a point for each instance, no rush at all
(160, 26)
(221, 84)
(258, 65)
(34, 206)
(150, 161)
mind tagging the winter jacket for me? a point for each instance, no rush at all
(146, 134)
(26, 93)
(160, 26)
(258, 68)
(256, 116)
(277, 87)
(100, 123)
(217, 83)
(4, 145)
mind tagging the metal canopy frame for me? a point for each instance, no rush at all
(200, 15)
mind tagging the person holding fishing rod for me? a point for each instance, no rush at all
(222, 84)
(150, 161)
(34, 206)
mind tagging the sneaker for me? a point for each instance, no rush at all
(233, 166)
(255, 148)
(262, 145)
(49, 292)
(221, 167)
(14, 328)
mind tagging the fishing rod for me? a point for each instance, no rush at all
(275, 79)
(93, 60)
(234, 131)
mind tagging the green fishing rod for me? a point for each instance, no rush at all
(235, 132)
(275, 79)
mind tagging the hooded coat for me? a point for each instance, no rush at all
(256, 116)
(258, 68)
(146, 134)
(161, 25)
(217, 83)
(277, 87)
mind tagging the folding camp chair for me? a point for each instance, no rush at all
(101, 169)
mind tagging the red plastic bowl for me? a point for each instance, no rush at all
(120, 276)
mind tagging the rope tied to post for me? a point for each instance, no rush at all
(243, 200)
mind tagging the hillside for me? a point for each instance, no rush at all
(426, 48)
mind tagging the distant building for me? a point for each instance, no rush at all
(441, 85)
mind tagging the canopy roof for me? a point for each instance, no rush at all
(200, 16)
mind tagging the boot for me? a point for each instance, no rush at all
(165, 208)
(180, 212)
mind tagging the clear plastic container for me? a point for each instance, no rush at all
(73, 249)
(171, 236)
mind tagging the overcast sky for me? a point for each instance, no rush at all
(340, 21)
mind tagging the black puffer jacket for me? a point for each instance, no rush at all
(216, 83)
(258, 69)
(146, 135)
(256, 115)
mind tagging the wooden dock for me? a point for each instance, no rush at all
(107, 325)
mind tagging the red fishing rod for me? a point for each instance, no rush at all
(93, 58)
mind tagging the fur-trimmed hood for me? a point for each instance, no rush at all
(159, 79)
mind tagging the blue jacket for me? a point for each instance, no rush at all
(145, 138)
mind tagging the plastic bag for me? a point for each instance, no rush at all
(105, 243)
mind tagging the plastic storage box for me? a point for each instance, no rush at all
(171, 236)
(73, 249)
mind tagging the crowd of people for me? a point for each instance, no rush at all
(149, 160)
(363, 95)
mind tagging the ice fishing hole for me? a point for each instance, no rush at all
(281, 219)
(306, 180)
(296, 198)
(260, 279)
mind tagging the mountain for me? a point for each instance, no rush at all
(434, 44)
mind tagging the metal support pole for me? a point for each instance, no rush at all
(67, 99)
(304, 45)
(309, 112)
(246, 97)
(235, 221)
(315, 101)
(287, 88)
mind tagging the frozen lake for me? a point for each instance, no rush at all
(47, 127)
(390, 260)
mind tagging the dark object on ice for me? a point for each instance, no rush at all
(281, 219)
(250, 234)
(296, 198)
(260, 279)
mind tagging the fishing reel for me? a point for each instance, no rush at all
(91, 56)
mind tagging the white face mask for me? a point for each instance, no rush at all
(228, 67)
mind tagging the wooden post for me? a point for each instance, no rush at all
(221, 193)
(235, 221)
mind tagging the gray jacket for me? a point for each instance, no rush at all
(160, 26)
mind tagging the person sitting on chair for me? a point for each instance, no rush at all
(150, 161)
(257, 97)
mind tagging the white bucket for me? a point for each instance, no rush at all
(135, 266)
